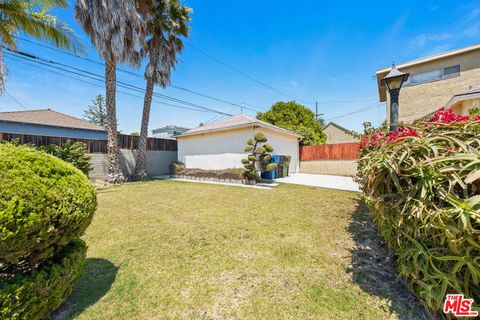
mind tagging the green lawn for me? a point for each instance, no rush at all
(176, 250)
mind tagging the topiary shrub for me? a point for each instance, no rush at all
(422, 185)
(44, 204)
(177, 167)
(258, 154)
(37, 294)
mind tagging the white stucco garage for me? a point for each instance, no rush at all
(220, 145)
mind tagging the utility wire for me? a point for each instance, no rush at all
(243, 74)
(253, 107)
(93, 76)
(101, 86)
(16, 101)
(135, 74)
(369, 107)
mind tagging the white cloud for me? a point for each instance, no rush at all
(473, 31)
(425, 39)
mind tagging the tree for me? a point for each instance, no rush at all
(33, 18)
(259, 153)
(71, 152)
(116, 31)
(297, 118)
(96, 112)
(166, 22)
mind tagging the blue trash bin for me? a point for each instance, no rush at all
(270, 175)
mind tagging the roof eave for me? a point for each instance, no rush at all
(53, 126)
(380, 74)
(246, 125)
(462, 97)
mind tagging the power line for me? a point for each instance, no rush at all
(212, 57)
(16, 101)
(134, 74)
(369, 107)
(100, 86)
(96, 77)
(252, 107)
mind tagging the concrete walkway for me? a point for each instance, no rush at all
(320, 180)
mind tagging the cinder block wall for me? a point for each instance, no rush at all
(158, 163)
(346, 168)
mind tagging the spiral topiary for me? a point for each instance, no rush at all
(258, 153)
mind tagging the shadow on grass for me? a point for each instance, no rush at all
(97, 279)
(373, 270)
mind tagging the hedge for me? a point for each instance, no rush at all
(44, 204)
(422, 185)
(37, 294)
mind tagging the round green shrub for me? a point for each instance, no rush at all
(270, 167)
(250, 175)
(37, 294)
(260, 137)
(245, 161)
(252, 157)
(250, 142)
(248, 148)
(266, 158)
(260, 150)
(248, 166)
(44, 204)
(177, 167)
(268, 147)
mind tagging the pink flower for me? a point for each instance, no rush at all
(447, 116)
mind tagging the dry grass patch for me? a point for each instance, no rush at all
(177, 250)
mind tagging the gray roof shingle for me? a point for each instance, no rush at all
(48, 117)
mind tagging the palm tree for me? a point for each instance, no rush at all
(116, 31)
(32, 18)
(166, 22)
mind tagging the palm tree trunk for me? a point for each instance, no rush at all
(141, 166)
(114, 173)
(3, 71)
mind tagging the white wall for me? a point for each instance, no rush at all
(223, 150)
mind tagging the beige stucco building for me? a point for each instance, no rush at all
(220, 145)
(338, 134)
(433, 82)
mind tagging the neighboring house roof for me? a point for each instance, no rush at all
(48, 117)
(235, 122)
(170, 127)
(383, 72)
(469, 95)
(339, 127)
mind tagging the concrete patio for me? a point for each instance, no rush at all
(323, 181)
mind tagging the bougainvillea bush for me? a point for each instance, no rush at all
(422, 184)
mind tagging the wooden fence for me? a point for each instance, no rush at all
(93, 146)
(338, 151)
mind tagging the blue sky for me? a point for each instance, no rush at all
(310, 50)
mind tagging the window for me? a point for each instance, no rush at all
(434, 75)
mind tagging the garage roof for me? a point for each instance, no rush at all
(235, 122)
